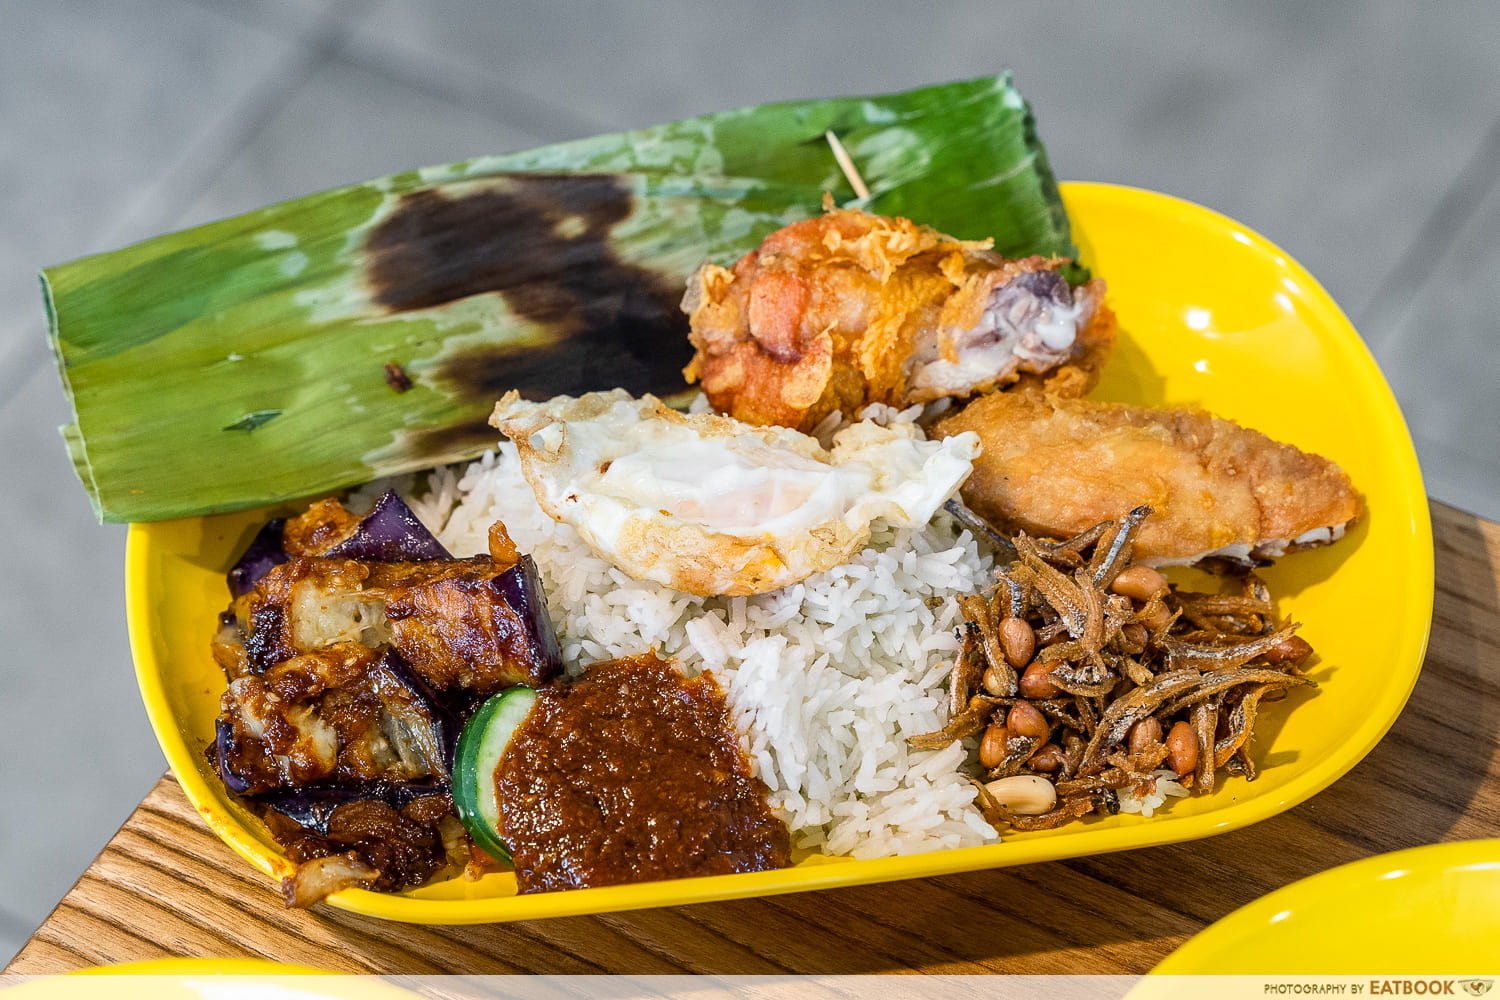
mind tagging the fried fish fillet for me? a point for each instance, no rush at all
(1054, 466)
(850, 308)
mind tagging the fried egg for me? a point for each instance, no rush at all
(712, 506)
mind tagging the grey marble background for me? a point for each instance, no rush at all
(1364, 138)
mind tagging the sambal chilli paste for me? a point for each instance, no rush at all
(633, 773)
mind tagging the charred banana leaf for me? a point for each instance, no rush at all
(368, 330)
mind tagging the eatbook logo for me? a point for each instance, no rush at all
(1476, 987)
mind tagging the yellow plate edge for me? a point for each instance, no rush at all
(1236, 932)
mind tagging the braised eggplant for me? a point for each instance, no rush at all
(355, 649)
(265, 551)
(390, 532)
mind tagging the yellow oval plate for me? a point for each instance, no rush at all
(208, 979)
(1431, 910)
(1212, 315)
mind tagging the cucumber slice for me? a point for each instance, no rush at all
(480, 747)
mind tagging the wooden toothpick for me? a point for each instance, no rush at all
(847, 166)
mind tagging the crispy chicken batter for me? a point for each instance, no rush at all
(848, 309)
(1054, 466)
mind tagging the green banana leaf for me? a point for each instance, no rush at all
(367, 331)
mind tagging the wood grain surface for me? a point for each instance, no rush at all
(166, 886)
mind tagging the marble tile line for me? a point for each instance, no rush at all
(1477, 463)
(199, 163)
(270, 20)
(1383, 316)
(168, 199)
(12, 924)
(472, 88)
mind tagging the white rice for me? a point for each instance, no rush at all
(1146, 799)
(827, 678)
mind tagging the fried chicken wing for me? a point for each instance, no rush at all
(1053, 466)
(847, 309)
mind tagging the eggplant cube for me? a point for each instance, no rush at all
(342, 716)
(478, 632)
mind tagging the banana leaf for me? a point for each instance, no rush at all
(367, 331)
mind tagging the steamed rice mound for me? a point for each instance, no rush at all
(826, 678)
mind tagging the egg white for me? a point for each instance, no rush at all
(711, 506)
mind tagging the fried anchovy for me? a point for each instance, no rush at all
(1018, 750)
(1197, 663)
(1111, 778)
(1047, 633)
(1223, 680)
(1111, 554)
(1204, 718)
(1092, 600)
(1129, 709)
(976, 610)
(1132, 668)
(988, 807)
(1087, 715)
(1073, 747)
(1133, 771)
(1243, 756)
(969, 722)
(1223, 604)
(1089, 679)
(1119, 611)
(1241, 764)
(1149, 757)
(1083, 785)
(1151, 608)
(1203, 656)
(966, 670)
(1256, 588)
(1105, 800)
(1060, 651)
(1060, 710)
(981, 529)
(1060, 591)
(1015, 580)
(1225, 613)
(1241, 723)
(1069, 551)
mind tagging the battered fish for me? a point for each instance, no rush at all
(1053, 466)
(850, 308)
